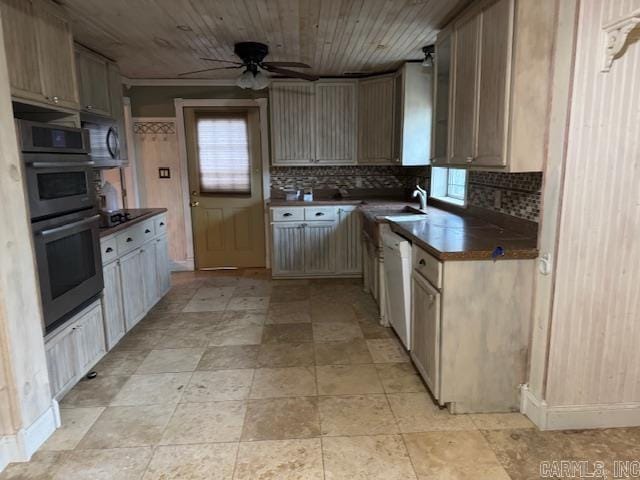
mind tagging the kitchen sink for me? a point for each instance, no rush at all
(407, 217)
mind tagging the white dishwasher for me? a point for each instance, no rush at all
(397, 271)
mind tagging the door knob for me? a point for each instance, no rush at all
(194, 204)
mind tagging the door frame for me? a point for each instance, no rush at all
(259, 103)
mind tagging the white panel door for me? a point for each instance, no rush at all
(131, 274)
(288, 248)
(112, 304)
(163, 273)
(425, 328)
(149, 274)
(89, 338)
(349, 240)
(320, 247)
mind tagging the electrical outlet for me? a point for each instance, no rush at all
(358, 182)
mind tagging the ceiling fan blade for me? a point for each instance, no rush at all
(291, 73)
(207, 70)
(218, 60)
(287, 64)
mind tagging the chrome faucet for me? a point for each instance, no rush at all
(421, 193)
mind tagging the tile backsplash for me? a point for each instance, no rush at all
(349, 177)
(515, 194)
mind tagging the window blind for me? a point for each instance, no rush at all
(223, 154)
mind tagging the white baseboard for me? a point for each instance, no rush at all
(21, 446)
(572, 417)
(182, 265)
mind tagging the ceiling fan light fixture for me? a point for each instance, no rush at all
(260, 81)
(245, 80)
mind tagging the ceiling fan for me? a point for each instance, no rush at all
(252, 55)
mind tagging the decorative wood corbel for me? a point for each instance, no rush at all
(616, 34)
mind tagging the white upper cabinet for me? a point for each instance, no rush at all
(336, 122)
(292, 106)
(40, 55)
(441, 93)
(500, 87)
(376, 100)
(413, 114)
(93, 81)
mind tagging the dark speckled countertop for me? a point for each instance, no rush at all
(140, 215)
(451, 236)
(447, 235)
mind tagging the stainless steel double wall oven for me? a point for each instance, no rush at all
(64, 217)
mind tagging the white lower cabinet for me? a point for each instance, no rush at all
(136, 276)
(73, 350)
(425, 328)
(133, 294)
(163, 274)
(326, 243)
(112, 304)
(149, 275)
(288, 249)
(319, 248)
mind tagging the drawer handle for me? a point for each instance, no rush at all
(287, 214)
(147, 231)
(109, 250)
(319, 214)
(129, 239)
(162, 224)
(422, 262)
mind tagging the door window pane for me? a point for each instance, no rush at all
(224, 165)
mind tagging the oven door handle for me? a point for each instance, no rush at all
(61, 164)
(68, 226)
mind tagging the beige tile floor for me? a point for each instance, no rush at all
(236, 376)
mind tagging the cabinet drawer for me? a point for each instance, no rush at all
(319, 213)
(284, 214)
(160, 224)
(428, 266)
(109, 249)
(148, 230)
(130, 239)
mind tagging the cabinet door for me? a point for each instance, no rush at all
(349, 240)
(320, 247)
(163, 274)
(149, 274)
(441, 90)
(93, 82)
(292, 107)
(89, 338)
(112, 304)
(61, 361)
(375, 120)
(495, 55)
(288, 248)
(336, 122)
(133, 296)
(57, 65)
(117, 108)
(425, 332)
(465, 73)
(21, 44)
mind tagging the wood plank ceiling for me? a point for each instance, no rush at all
(162, 38)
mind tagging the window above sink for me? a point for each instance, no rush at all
(449, 185)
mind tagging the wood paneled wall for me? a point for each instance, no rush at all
(156, 145)
(594, 356)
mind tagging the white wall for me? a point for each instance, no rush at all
(592, 374)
